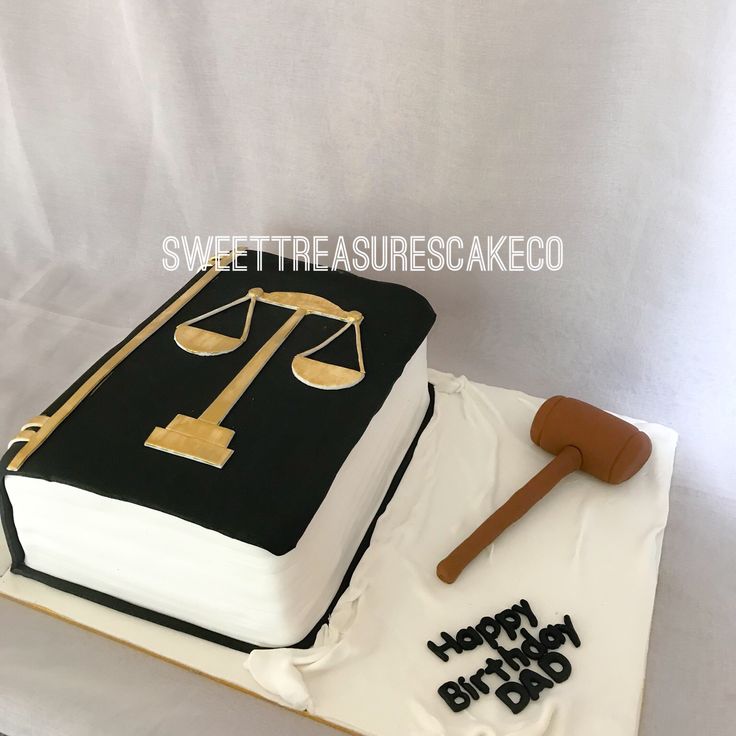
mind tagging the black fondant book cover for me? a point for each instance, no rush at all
(290, 439)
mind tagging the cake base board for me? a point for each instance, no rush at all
(215, 662)
(329, 683)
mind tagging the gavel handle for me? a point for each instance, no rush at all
(568, 461)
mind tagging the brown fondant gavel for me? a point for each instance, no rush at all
(583, 438)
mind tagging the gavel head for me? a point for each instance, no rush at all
(613, 450)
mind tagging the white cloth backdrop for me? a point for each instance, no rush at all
(610, 124)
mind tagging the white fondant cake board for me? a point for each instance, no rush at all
(588, 549)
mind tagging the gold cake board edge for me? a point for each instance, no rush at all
(119, 617)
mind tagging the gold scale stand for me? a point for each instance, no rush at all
(203, 439)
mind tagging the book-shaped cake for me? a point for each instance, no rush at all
(219, 470)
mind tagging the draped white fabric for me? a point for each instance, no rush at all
(609, 124)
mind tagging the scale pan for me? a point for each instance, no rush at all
(328, 376)
(204, 342)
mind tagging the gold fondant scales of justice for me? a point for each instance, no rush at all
(202, 438)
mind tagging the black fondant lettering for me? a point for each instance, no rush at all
(508, 689)
(547, 665)
(531, 646)
(525, 609)
(534, 683)
(469, 689)
(551, 637)
(495, 667)
(489, 629)
(534, 646)
(468, 638)
(440, 649)
(453, 695)
(569, 630)
(477, 680)
(510, 621)
(510, 656)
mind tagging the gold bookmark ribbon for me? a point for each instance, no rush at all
(32, 443)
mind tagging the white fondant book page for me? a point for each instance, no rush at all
(588, 549)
